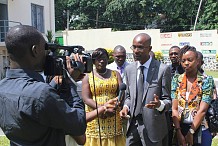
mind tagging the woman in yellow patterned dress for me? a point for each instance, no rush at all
(105, 87)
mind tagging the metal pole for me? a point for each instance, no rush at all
(96, 23)
(68, 17)
(196, 19)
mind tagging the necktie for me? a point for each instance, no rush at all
(140, 91)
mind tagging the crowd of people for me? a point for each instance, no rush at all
(163, 105)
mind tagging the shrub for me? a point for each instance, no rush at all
(110, 53)
(217, 57)
(158, 55)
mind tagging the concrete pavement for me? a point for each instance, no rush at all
(1, 132)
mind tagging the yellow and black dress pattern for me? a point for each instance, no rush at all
(105, 89)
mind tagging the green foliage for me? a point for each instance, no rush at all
(167, 15)
(158, 55)
(4, 141)
(212, 73)
(215, 142)
(61, 14)
(110, 53)
(209, 15)
(49, 36)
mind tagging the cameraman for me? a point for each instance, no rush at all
(32, 113)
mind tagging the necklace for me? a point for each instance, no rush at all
(102, 73)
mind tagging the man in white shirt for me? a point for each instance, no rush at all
(148, 83)
(119, 63)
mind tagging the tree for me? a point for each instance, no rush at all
(61, 7)
(167, 15)
(209, 15)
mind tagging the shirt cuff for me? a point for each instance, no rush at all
(162, 105)
(53, 83)
(126, 107)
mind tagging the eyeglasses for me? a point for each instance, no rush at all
(133, 47)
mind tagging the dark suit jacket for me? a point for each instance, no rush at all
(179, 70)
(158, 82)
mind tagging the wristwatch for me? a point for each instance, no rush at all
(192, 131)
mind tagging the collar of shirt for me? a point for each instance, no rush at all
(146, 64)
(123, 66)
(17, 73)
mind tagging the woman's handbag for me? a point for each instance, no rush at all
(212, 116)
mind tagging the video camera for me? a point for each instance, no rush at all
(55, 63)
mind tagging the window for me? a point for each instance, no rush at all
(37, 17)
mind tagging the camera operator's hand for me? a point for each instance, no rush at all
(58, 79)
(75, 73)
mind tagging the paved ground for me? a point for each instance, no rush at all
(1, 132)
(216, 82)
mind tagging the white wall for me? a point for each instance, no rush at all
(20, 11)
(205, 41)
(91, 39)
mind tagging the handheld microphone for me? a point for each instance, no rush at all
(122, 89)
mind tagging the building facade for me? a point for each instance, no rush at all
(37, 13)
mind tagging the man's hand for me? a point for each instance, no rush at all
(181, 138)
(58, 79)
(76, 74)
(189, 138)
(154, 104)
(124, 112)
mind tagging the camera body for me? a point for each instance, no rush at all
(55, 63)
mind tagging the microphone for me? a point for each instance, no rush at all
(122, 89)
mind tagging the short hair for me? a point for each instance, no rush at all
(144, 36)
(20, 38)
(175, 47)
(186, 49)
(120, 48)
(98, 53)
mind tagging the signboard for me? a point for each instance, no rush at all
(166, 44)
(184, 43)
(184, 34)
(208, 51)
(165, 51)
(205, 35)
(166, 35)
(206, 43)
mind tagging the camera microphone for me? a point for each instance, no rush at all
(122, 89)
